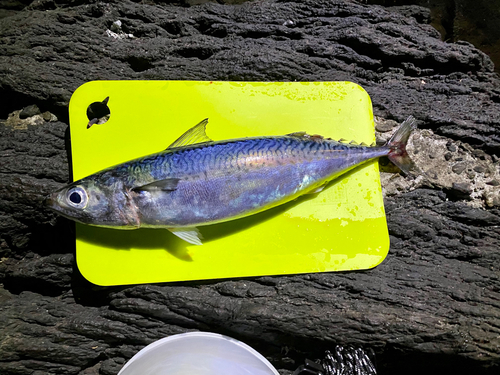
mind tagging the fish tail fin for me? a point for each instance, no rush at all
(397, 146)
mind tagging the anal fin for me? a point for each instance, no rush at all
(188, 234)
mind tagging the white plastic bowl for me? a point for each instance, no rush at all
(198, 353)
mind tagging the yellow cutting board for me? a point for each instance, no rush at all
(341, 228)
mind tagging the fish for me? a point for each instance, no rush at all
(197, 181)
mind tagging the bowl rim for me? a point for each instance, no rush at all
(197, 334)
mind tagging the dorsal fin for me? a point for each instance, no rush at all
(353, 143)
(316, 136)
(363, 144)
(342, 140)
(298, 134)
(194, 135)
(313, 137)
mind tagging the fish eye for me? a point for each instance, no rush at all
(77, 197)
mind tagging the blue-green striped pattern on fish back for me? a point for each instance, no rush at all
(218, 180)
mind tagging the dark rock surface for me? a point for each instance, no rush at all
(432, 307)
(475, 21)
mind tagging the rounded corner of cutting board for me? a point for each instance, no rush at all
(98, 279)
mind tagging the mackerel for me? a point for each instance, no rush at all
(197, 181)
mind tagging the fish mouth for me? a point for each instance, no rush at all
(52, 202)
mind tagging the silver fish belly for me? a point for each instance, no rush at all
(197, 181)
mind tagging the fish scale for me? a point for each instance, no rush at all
(244, 152)
(197, 181)
(271, 170)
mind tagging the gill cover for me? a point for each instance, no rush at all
(87, 203)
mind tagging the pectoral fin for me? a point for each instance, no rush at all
(191, 235)
(194, 135)
(168, 184)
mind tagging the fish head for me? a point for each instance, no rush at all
(87, 202)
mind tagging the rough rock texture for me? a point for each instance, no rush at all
(475, 21)
(432, 307)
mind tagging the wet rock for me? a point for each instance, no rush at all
(480, 154)
(479, 169)
(16, 122)
(34, 163)
(384, 126)
(29, 111)
(458, 168)
(451, 147)
(421, 14)
(492, 198)
(493, 183)
(47, 116)
(459, 190)
(51, 274)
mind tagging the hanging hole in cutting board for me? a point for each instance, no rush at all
(98, 113)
